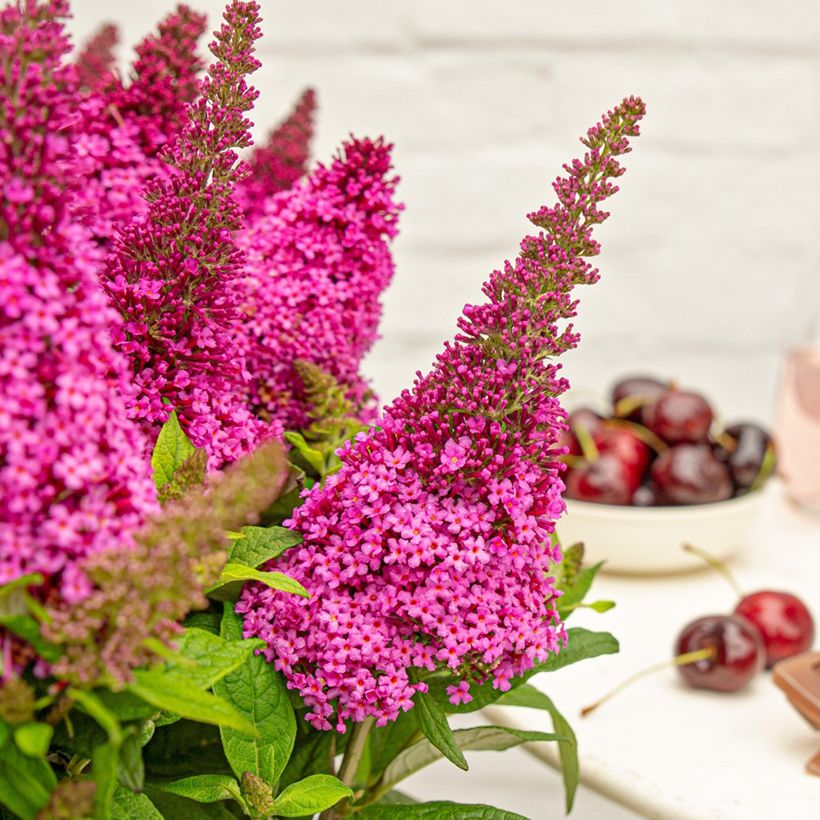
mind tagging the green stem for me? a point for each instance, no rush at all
(350, 763)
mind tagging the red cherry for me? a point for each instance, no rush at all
(624, 444)
(680, 417)
(641, 391)
(690, 474)
(603, 481)
(783, 620)
(738, 649)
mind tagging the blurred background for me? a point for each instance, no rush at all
(712, 244)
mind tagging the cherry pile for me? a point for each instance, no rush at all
(660, 446)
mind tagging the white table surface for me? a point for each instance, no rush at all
(663, 750)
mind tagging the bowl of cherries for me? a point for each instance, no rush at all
(657, 472)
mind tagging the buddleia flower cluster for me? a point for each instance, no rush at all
(173, 275)
(282, 160)
(430, 549)
(318, 260)
(73, 479)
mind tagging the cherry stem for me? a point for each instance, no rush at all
(587, 444)
(717, 565)
(678, 660)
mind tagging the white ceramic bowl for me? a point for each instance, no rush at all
(649, 540)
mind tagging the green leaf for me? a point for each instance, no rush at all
(312, 457)
(204, 788)
(124, 705)
(190, 474)
(33, 579)
(105, 763)
(131, 772)
(576, 590)
(213, 656)
(257, 692)
(434, 726)
(95, 707)
(26, 782)
(185, 749)
(209, 621)
(387, 741)
(258, 545)
(33, 739)
(310, 755)
(438, 810)
(172, 691)
(171, 451)
(233, 578)
(173, 806)
(581, 644)
(313, 794)
(27, 628)
(533, 698)
(480, 738)
(129, 806)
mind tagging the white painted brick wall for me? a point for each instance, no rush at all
(716, 225)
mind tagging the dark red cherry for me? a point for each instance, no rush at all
(621, 442)
(690, 474)
(640, 390)
(738, 652)
(783, 620)
(680, 417)
(602, 481)
(747, 445)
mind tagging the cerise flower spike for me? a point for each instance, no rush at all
(429, 549)
(283, 159)
(72, 475)
(96, 62)
(318, 261)
(174, 275)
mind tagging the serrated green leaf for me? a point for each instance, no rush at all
(234, 576)
(313, 794)
(129, 806)
(172, 449)
(33, 739)
(581, 644)
(310, 755)
(479, 738)
(532, 698)
(172, 691)
(204, 788)
(438, 810)
(256, 690)
(213, 657)
(434, 726)
(258, 545)
(105, 763)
